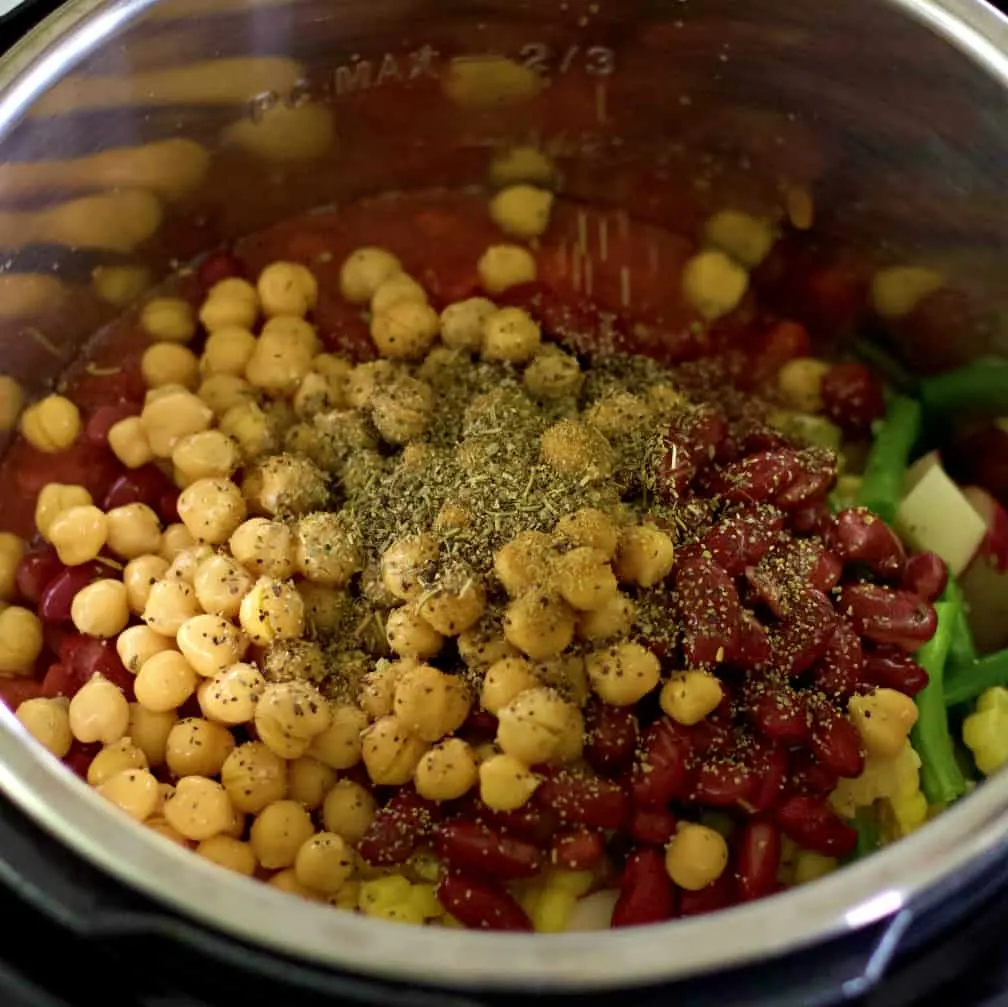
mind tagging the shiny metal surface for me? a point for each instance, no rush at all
(892, 114)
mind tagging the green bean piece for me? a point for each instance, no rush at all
(882, 485)
(962, 649)
(885, 363)
(981, 386)
(941, 779)
(972, 680)
(869, 839)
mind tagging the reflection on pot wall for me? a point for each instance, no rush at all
(206, 119)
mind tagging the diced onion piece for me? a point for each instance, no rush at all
(593, 912)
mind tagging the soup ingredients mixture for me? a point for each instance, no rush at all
(415, 559)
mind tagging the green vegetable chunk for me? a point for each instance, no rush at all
(882, 485)
(968, 681)
(962, 649)
(978, 387)
(941, 779)
(869, 838)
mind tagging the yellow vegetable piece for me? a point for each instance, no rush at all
(809, 865)
(552, 911)
(985, 731)
(576, 883)
(381, 893)
(909, 812)
(424, 901)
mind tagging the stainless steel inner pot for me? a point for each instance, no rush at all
(892, 113)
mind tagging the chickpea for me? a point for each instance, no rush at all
(101, 609)
(199, 808)
(149, 731)
(227, 351)
(366, 379)
(98, 712)
(339, 746)
(282, 357)
(552, 374)
(222, 393)
(539, 624)
(286, 484)
(210, 644)
(175, 539)
(714, 284)
(456, 602)
(503, 266)
(539, 725)
(278, 832)
(665, 401)
(133, 530)
(169, 319)
(169, 604)
(525, 562)
(506, 783)
(11, 401)
(209, 454)
(230, 697)
(407, 563)
(211, 509)
(575, 449)
(264, 547)
(287, 288)
(399, 287)
(229, 853)
(590, 527)
(511, 335)
(613, 619)
(696, 856)
(409, 636)
(20, 640)
(484, 644)
(687, 697)
(289, 715)
(799, 382)
(390, 752)
(378, 686)
(134, 791)
(272, 610)
(197, 747)
(129, 443)
(504, 681)
(286, 881)
(170, 417)
(584, 578)
(319, 393)
(309, 781)
(170, 364)
(221, 583)
(114, 758)
(348, 811)
(447, 771)
(747, 239)
(623, 673)
(12, 548)
(165, 681)
(139, 576)
(184, 566)
(48, 722)
(78, 534)
(51, 424)
(231, 302)
(522, 210)
(462, 323)
(254, 777)
(430, 703)
(405, 330)
(53, 500)
(644, 555)
(897, 290)
(324, 863)
(328, 549)
(619, 413)
(403, 411)
(364, 271)
(883, 718)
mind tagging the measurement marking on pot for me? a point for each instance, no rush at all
(364, 74)
(595, 60)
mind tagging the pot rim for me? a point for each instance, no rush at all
(897, 878)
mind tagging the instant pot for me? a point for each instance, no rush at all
(891, 115)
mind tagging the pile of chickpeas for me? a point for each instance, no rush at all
(195, 607)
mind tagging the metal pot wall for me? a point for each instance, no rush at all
(891, 114)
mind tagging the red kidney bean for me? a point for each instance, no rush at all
(702, 430)
(835, 741)
(802, 640)
(859, 536)
(722, 782)
(888, 616)
(814, 474)
(530, 822)
(583, 798)
(811, 519)
(757, 859)
(852, 397)
(783, 342)
(14, 690)
(577, 850)
(770, 764)
(759, 478)
(217, 266)
(479, 904)
(85, 656)
(807, 775)
(659, 773)
(709, 608)
(103, 419)
(59, 681)
(481, 722)
(473, 847)
(926, 574)
(838, 672)
(611, 734)
(143, 485)
(80, 758)
(891, 667)
(719, 894)
(813, 824)
(752, 645)
(83, 463)
(647, 894)
(35, 571)
(167, 506)
(398, 828)
(787, 570)
(776, 710)
(59, 593)
(744, 538)
(652, 826)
